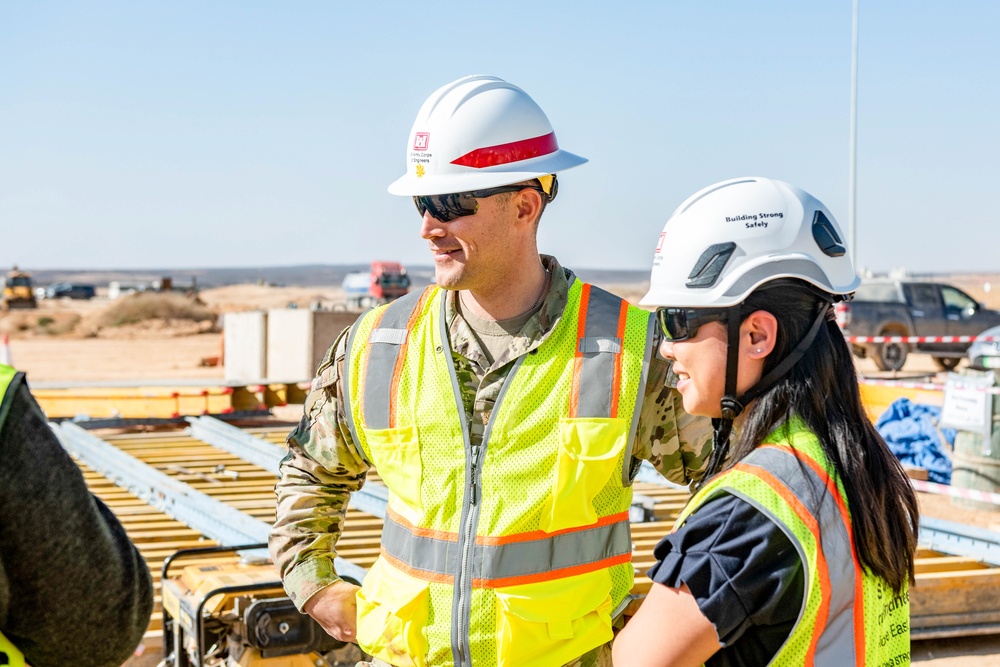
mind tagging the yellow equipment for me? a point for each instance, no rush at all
(226, 612)
(18, 291)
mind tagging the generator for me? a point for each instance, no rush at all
(225, 608)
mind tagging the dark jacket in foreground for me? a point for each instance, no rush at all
(73, 588)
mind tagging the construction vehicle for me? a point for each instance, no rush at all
(232, 612)
(18, 291)
(382, 283)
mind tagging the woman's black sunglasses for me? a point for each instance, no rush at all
(683, 323)
(452, 206)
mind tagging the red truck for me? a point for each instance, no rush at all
(384, 282)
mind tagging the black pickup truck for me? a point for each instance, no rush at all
(885, 307)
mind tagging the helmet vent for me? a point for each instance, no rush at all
(826, 236)
(709, 266)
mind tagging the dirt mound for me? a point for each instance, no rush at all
(38, 323)
(135, 316)
(236, 298)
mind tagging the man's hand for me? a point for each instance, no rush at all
(336, 609)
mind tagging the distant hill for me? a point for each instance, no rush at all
(308, 275)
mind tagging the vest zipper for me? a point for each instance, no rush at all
(473, 485)
(468, 541)
(461, 646)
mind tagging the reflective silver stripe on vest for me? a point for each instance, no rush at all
(390, 336)
(514, 559)
(593, 345)
(598, 346)
(629, 468)
(836, 643)
(393, 347)
(385, 343)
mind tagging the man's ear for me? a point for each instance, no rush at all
(528, 204)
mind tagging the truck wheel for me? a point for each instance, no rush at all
(890, 356)
(946, 363)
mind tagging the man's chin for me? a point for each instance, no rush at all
(448, 281)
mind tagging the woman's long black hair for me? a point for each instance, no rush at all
(822, 389)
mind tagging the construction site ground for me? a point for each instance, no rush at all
(178, 353)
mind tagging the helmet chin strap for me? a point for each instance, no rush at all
(732, 405)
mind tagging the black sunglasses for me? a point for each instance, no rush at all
(683, 323)
(452, 206)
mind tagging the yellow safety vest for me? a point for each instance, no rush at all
(9, 655)
(516, 552)
(848, 616)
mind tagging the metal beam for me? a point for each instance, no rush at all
(228, 438)
(372, 498)
(214, 519)
(959, 539)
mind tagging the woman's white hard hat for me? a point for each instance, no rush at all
(726, 240)
(479, 132)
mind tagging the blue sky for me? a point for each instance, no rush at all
(199, 133)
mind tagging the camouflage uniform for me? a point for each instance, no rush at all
(323, 466)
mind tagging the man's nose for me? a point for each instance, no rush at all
(667, 349)
(431, 227)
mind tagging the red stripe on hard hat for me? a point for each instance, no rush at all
(491, 156)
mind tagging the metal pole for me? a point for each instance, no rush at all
(853, 196)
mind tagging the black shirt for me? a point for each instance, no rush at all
(744, 573)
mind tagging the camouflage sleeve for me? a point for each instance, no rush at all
(317, 476)
(676, 443)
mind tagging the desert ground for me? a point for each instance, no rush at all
(70, 342)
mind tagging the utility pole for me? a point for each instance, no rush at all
(853, 188)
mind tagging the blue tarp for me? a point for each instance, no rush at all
(911, 432)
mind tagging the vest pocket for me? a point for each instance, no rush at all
(552, 622)
(392, 615)
(395, 453)
(589, 450)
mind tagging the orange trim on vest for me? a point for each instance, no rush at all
(553, 574)
(432, 533)
(423, 575)
(581, 329)
(500, 540)
(502, 582)
(616, 379)
(401, 358)
(810, 522)
(859, 595)
(533, 535)
(364, 364)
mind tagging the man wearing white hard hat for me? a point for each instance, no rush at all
(507, 410)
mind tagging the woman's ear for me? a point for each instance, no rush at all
(759, 334)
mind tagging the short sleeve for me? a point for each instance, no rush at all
(744, 572)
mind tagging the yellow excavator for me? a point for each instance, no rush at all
(18, 291)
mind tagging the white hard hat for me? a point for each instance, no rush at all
(479, 132)
(728, 239)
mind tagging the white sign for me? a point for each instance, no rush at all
(967, 407)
